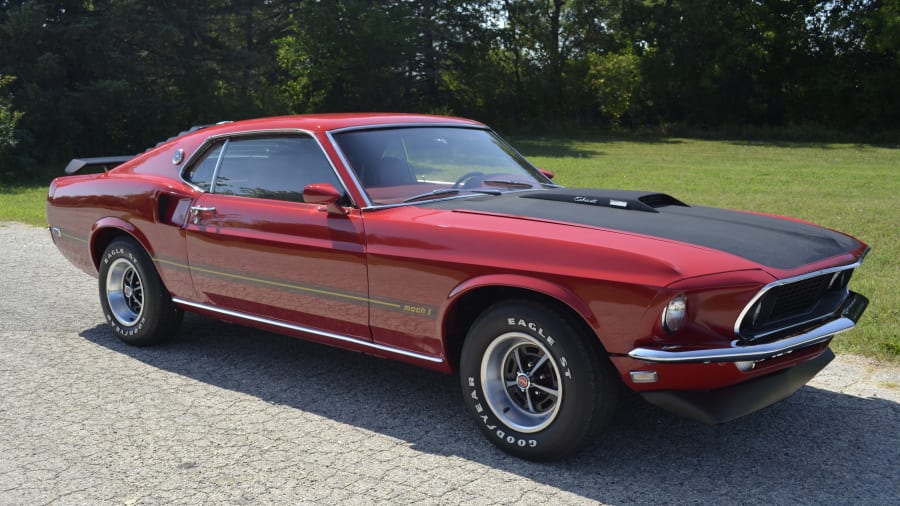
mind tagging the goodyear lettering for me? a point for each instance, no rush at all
(512, 440)
(500, 433)
(133, 330)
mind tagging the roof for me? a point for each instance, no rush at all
(336, 121)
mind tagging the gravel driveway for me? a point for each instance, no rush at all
(229, 415)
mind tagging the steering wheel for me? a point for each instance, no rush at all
(465, 178)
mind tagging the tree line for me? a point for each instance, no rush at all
(101, 77)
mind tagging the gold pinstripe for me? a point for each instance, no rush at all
(289, 286)
(280, 285)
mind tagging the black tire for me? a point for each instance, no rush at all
(135, 303)
(515, 356)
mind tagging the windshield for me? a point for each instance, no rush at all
(408, 164)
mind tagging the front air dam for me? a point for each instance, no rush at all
(726, 404)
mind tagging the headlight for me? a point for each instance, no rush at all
(674, 314)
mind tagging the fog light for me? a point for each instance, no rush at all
(674, 314)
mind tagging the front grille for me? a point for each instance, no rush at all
(784, 307)
(796, 298)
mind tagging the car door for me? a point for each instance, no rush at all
(255, 248)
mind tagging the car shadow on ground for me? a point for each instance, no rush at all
(816, 447)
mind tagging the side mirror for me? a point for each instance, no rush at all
(326, 196)
(547, 173)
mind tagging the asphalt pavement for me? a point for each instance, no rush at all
(225, 414)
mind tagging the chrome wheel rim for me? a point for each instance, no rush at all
(521, 382)
(124, 292)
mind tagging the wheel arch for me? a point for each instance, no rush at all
(106, 230)
(470, 299)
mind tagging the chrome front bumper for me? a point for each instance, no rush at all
(847, 317)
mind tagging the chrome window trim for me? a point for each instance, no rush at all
(276, 131)
(526, 160)
(191, 160)
(350, 171)
(300, 328)
(215, 174)
(387, 126)
(787, 281)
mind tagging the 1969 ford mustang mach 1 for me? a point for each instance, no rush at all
(430, 240)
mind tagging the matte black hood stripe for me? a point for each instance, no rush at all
(772, 242)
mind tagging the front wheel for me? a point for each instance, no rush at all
(135, 302)
(535, 384)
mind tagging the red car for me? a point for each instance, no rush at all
(430, 240)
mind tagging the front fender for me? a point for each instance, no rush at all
(541, 286)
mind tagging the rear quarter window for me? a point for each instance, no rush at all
(201, 173)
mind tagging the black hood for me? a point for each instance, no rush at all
(773, 242)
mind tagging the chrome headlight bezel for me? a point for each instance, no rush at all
(674, 315)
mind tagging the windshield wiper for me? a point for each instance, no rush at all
(509, 183)
(443, 192)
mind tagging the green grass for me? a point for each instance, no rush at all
(848, 187)
(24, 204)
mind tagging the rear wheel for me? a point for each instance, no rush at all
(535, 384)
(135, 303)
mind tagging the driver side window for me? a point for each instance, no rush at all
(272, 167)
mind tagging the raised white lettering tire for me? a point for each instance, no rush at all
(135, 303)
(536, 385)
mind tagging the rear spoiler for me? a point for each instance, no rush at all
(107, 162)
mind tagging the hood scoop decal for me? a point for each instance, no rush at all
(616, 199)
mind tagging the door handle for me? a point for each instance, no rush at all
(195, 210)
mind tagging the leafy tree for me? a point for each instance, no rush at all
(615, 78)
(115, 76)
(386, 55)
(344, 55)
(858, 42)
(8, 118)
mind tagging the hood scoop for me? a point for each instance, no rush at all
(616, 199)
